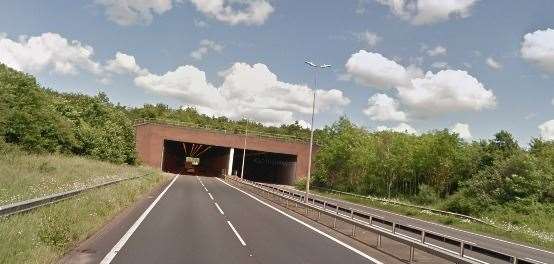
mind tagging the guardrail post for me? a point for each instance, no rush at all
(379, 240)
(394, 228)
(411, 253)
(423, 237)
(514, 260)
(335, 218)
(370, 220)
(462, 247)
(353, 230)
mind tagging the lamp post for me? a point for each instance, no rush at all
(244, 150)
(315, 67)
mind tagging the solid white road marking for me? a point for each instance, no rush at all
(111, 255)
(306, 225)
(236, 233)
(211, 197)
(205, 189)
(219, 208)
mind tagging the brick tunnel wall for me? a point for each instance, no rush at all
(150, 142)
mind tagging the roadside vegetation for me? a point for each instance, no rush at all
(496, 180)
(45, 234)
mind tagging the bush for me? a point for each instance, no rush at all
(426, 195)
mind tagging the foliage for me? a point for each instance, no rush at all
(436, 168)
(44, 121)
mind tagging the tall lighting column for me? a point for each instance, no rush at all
(316, 68)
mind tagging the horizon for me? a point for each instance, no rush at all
(438, 69)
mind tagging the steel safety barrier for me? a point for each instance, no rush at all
(461, 251)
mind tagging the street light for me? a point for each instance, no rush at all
(316, 67)
(244, 150)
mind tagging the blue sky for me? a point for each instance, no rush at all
(413, 65)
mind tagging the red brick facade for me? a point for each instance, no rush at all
(150, 141)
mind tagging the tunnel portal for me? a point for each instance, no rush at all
(179, 157)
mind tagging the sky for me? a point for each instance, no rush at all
(472, 66)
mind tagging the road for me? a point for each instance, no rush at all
(521, 251)
(205, 220)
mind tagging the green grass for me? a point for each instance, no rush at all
(45, 234)
(536, 229)
(24, 176)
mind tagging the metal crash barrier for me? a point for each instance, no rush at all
(361, 225)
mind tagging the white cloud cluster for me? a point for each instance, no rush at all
(445, 91)
(49, 50)
(494, 64)
(381, 107)
(130, 12)
(424, 95)
(205, 46)
(373, 69)
(420, 12)
(436, 51)
(124, 64)
(400, 128)
(462, 130)
(247, 90)
(546, 130)
(538, 48)
(368, 38)
(233, 12)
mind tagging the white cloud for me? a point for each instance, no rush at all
(462, 130)
(424, 96)
(400, 128)
(233, 12)
(124, 64)
(436, 51)
(251, 90)
(381, 107)
(205, 46)
(491, 62)
(538, 48)
(48, 51)
(552, 102)
(420, 12)
(369, 39)
(446, 91)
(130, 12)
(3, 35)
(439, 65)
(546, 130)
(372, 69)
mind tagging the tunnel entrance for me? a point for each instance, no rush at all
(194, 159)
(266, 166)
(207, 160)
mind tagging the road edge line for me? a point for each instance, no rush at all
(119, 245)
(306, 225)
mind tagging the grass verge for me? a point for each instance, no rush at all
(43, 235)
(25, 176)
(519, 233)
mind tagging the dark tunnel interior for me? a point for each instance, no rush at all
(214, 161)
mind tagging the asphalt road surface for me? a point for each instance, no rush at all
(204, 220)
(521, 251)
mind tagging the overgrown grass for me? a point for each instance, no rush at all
(45, 234)
(536, 229)
(24, 176)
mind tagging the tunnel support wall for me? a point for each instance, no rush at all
(150, 143)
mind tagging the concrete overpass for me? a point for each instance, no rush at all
(269, 158)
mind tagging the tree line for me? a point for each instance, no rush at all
(42, 120)
(438, 166)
